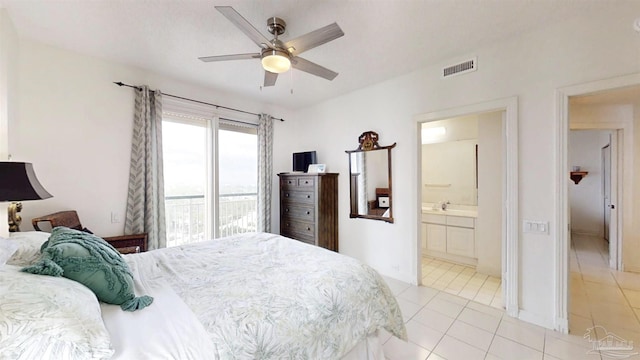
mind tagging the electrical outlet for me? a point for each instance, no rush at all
(115, 217)
(535, 227)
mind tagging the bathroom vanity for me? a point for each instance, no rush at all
(449, 234)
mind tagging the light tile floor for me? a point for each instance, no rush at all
(441, 325)
(463, 281)
(600, 296)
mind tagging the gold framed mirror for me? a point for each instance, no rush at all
(370, 179)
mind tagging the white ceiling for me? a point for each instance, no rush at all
(383, 39)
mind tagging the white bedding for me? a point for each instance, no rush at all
(253, 296)
(166, 330)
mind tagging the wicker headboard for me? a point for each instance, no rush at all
(67, 218)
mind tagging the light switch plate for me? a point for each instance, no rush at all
(535, 227)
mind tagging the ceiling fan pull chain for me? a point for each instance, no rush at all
(291, 72)
(261, 74)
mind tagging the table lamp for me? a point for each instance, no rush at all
(18, 182)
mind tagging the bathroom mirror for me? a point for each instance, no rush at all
(370, 179)
(444, 179)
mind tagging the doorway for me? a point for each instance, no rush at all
(508, 222)
(593, 194)
(462, 215)
(603, 105)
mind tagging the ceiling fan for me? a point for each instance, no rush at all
(277, 56)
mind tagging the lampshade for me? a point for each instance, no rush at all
(275, 61)
(18, 182)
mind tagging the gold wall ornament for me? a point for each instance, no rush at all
(368, 140)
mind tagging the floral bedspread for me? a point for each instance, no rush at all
(264, 296)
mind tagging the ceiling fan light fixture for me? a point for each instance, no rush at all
(275, 61)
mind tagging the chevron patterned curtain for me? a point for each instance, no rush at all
(145, 201)
(265, 171)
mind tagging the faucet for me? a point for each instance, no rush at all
(444, 205)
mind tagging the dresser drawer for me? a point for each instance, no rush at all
(297, 229)
(289, 182)
(305, 213)
(304, 197)
(297, 181)
(306, 182)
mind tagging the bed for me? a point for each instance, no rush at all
(250, 296)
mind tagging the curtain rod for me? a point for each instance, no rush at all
(120, 83)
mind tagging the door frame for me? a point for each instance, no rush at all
(561, 314)
(510, 222)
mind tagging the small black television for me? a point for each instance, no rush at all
(302, 160)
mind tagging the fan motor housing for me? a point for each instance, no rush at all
(276, 26)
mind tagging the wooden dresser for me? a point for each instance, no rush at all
(309, 208)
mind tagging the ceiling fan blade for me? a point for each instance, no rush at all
(312, 68)
(230, 57)
(244, 26)
(315, 38)
(270, 78)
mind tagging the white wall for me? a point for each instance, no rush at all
(532, 67)
(8, 98)
(490, 174)
(75, 127)
(586, 197)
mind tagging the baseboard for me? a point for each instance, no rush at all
(562, 325)
(632, 268)
(586, 233)
(456, 259)
(536, 319)
(489, 270)
(400, 276)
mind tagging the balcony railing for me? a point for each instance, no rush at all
(185, 216)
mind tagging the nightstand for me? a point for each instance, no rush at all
(128, 244)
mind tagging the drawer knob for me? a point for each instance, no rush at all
(308, 212)
(306, 181)
(308, 196)
(308, 229)
(286, 210)
(286, 195)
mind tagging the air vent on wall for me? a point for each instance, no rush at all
(461, 68)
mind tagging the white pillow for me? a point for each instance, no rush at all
(29, 243)
(47, 317)
(7, 249)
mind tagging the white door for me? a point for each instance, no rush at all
(606, 188)
(610, 196)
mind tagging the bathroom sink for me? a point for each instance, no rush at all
(450, 212)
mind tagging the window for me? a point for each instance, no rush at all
(210, 175)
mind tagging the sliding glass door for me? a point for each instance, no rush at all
(210, 168)
(237, 179)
